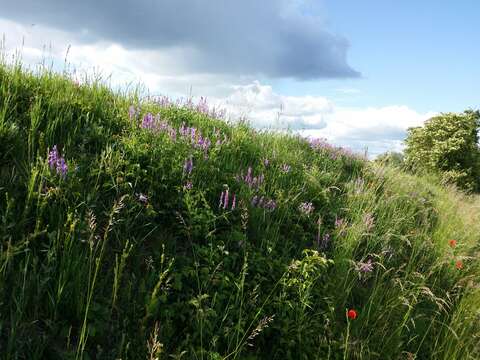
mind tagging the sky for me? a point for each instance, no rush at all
(357, 73)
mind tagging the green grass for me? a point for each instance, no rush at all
(89, 270)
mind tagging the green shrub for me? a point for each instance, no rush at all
(447, 144)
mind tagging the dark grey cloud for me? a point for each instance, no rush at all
(249, 37)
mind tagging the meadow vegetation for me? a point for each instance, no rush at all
(135, 228)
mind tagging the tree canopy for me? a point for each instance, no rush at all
(447, 144)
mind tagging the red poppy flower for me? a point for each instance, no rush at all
(453, 243)
(352, 314)
(459, 264)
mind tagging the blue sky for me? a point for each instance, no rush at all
(424, 54)
(358, 73)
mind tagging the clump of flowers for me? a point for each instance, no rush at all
(224, 200)
(148, 122)
(57, 162)
(306, 208)
(262, 202)
(250, 180)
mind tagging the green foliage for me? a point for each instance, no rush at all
(448, 144)
(131, 256)
(391, 158)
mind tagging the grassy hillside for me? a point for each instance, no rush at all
(146, 230)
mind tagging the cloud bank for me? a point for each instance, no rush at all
(375, 129)
(272, 38)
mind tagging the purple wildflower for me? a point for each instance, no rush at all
(188, 185)
(225, 200)
(364, 267)
(62, 167)
(262, 202)
(188, 166)
(148, 121)
(202, 106)
(53, 157)
(142, 198)
(57, 162)
(285, 168)
(306, 208)
(323, 242)
(339, 223)
(222, 195)
(266, 162)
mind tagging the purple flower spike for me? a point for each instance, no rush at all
(148, 121)
(53, 157)
(306, 208)
(188, 166)
(222, 195)
(57, 162)
(62, 167)
(225, 200)
(234, 202)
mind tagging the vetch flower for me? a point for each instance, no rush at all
(148, 121)
(188, 166)
(365, 267)
(53, 157)
(306, 208)
(324, 242)
(142, 198)
(57, 162)
(62, 167)
(352, 314)
(339, 223)
(225, 199)
(188, 185)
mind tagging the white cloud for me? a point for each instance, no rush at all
(377, 128)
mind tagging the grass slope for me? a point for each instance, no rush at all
(133, 253)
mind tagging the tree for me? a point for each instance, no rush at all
(447, 144)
